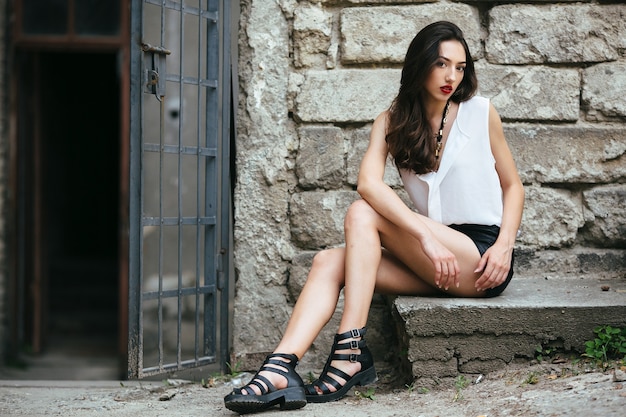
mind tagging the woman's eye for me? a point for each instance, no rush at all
(461, 69)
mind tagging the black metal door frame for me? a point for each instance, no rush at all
(161, 217)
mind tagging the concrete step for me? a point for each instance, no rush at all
(447, 336)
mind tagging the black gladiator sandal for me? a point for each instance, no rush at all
(365, 376)
(244, 400)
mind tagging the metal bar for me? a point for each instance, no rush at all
(196, 343)
(181, 68)
(153, 295)
(206, 360)
(169, 4)
(161, 237)
(175, 221)
(204, 82)
(212, 129)
(175, 149)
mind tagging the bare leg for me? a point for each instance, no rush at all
(316, 304)
(314, 308)
(363, 267)
(368, 268)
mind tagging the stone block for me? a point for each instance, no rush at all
(262, 315)
(331, 2)
(551, 217)
(480, 366)
(537, 34)
(261, 232)
(477, 346)
(519, 93)
(433, 369)
(576, 262)
(609, 263)
(312, 32)
(264, 69)
(357, 95)
(567, 154)
(359, 141)
(317, 217)
(487, 347)
(321, 155)
(298, 272)
(606, 215)
(382, 34)
(426, 348)
(603, 88)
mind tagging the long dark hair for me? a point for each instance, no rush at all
(409, 135)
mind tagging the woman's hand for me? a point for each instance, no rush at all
(494, 265)
(445, 264)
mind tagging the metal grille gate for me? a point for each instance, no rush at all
(179, 185)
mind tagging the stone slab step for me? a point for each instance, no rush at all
(447, 336)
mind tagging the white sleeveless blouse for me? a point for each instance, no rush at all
(466, 188)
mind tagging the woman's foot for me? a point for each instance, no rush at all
(276, 383)
(351, 354)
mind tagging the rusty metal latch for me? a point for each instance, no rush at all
(154, 60)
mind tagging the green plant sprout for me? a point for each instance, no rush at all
(610, 343)
(369, 394)
(460, 383)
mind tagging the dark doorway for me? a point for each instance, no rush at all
(68, 212)
(80, 144)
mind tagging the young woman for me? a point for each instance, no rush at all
(456, 167)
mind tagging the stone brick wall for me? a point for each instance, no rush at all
(314, 75)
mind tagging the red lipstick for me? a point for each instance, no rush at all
(446, 89)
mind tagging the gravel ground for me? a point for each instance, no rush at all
(530, 390)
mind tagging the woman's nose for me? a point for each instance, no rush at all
(451, 75)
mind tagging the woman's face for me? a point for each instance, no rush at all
(447, 73)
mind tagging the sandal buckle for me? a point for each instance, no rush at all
(354, 345)
(355, 333)
(354, 357)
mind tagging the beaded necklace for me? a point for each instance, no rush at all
(444, 119)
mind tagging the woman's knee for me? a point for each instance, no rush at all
(360, 213)
(328, 265)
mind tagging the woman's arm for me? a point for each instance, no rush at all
(388, 204)
(372, 188)
(496, 262)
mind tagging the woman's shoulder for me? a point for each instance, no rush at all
(382, 121)
(477, 101)
(383, 117)
(474, 106)
(473, 112)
